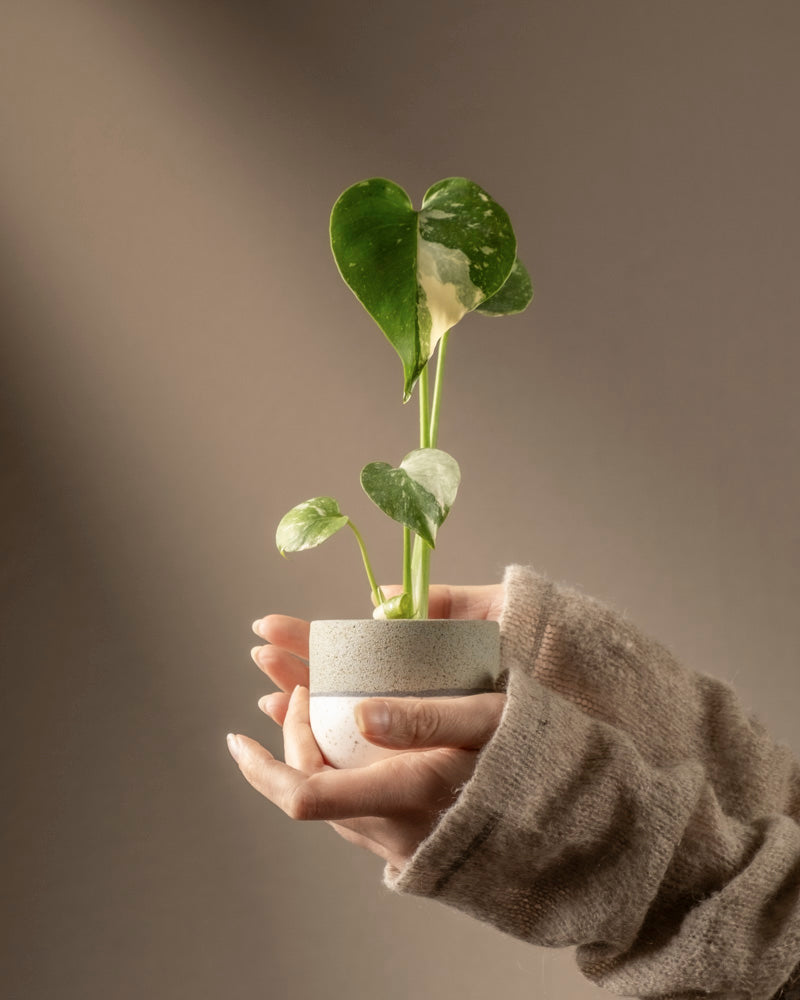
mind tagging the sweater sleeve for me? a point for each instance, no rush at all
(627, 806)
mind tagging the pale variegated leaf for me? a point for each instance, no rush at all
(419, 493)
(309, 524)
(435, 471)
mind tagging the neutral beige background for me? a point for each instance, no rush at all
(181, 363)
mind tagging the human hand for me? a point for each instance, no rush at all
(283, 660)
(390, 806)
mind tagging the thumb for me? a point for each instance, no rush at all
(466, 722)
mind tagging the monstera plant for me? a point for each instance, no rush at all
(417, 272)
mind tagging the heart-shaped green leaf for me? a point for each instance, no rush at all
(309, 524)
(418, 273)
(374, 243)
(513, 296)
(418, 494)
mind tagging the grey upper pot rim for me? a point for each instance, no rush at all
(405, 655)
(409, 622)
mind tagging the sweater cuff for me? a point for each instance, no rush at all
(540, 790)
(599, 816)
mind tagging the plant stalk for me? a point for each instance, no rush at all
(424, 413)
(420, 568)
(377, 593)
(433, 433)
(407, 585)
(422, 551)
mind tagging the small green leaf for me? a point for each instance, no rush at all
(400, 606)
(435, 471)
(514, 296)
(418, 494)
(402, 499)
(309, 524)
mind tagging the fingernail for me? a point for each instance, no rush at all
(255, 652)
(257, 626)
(233, 745)
(373, 717)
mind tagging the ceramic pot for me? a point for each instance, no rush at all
(350, 660)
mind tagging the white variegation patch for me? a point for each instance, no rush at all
(443, 274)
(435, 471)
(435, 213)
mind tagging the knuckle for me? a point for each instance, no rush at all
(423, 722)
(302, 803)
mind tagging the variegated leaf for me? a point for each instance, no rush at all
(418, 273)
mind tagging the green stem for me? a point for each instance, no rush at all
(424, 415)
(433, 435)
(416, 577)
(420, 569)
(377, 593)
(420, 566)
(407, 560)
(420, 575)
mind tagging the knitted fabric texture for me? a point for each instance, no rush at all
(627, 806)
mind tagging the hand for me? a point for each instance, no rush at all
(392, 805)
(283, 660)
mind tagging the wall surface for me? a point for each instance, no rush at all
(181, 363)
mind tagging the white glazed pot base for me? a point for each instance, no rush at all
(338, 737)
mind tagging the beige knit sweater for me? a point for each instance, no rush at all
(625, 805)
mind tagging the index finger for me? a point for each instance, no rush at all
(288, 633)
(327, 794)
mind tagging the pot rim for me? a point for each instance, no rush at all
(407, 621)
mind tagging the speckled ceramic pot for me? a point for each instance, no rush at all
(351, 660)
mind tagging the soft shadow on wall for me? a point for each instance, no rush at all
(145, 262)
(170, 167)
